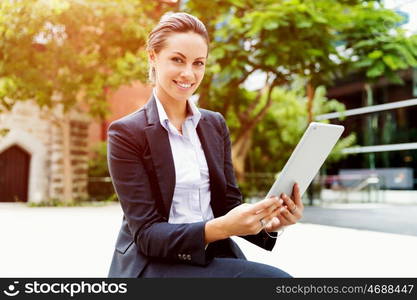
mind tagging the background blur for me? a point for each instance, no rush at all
(68, 68)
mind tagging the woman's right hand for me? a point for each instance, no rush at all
(247, 219)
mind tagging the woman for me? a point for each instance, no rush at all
(171, 167)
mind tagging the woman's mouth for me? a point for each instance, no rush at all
(183, 85)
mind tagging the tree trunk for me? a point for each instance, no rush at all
(243, 142)
(66, 150)
(310, 98)
(240, 150)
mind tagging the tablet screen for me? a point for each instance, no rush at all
(307, 158)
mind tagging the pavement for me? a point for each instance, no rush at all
(381, 217)
(78, 242)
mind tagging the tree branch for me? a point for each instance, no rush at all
(249, 125)
(259, 96)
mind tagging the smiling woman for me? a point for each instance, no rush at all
(178, 69)
(171, 167)
(177, 62)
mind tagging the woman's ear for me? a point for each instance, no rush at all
(151, 56)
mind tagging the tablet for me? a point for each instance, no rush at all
(307, 158)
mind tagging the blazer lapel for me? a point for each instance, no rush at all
(213, 150)
(163, 161)
(161, 153)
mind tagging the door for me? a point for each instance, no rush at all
(14, 175)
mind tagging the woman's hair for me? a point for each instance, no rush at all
(169, 23)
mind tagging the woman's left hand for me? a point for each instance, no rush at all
(291, 210)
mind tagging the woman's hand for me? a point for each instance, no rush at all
(291, 211)
(247, 219)
(270, 214)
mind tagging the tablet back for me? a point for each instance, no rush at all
(307, 158)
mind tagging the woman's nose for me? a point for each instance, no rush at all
(187, 71)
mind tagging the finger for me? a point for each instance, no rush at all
(273, 224)
(263, 204)
(294, 209)
(278, 214)
(290, 218)
(269, 212)
(290, 203)
(297, 195)
(274, 206)
(282, 220)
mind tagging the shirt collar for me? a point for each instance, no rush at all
(193, 113)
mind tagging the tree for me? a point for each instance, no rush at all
(276, 41)
(257, 37)
(288, 118)
(380, 53)
(65, 55)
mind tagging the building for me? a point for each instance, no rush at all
(31, 154)
(31, 147)
(385, 128)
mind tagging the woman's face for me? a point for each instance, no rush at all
(179, 66)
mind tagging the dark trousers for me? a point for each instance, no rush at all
(223, 265)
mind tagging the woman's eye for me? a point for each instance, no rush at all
(199, 63)
(177, 59)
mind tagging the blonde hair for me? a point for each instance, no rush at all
(169, 23)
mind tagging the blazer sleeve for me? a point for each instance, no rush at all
(150, 230)
(233, 194)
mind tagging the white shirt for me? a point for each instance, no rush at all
(191, 200)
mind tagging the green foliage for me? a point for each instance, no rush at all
(280, 38)
(378, 47)
(79, 203)
(99, 186)
(323, 105)
(337, 154)
(71, 52)
(320, 40)
(4, 132)
(284, 40)
(277, 135)
(97, 164)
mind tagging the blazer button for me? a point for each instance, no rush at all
(188, 257)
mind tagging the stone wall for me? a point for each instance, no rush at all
(38, 132)
(27, 117)
(79, 161)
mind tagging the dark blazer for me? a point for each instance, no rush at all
(142, 170)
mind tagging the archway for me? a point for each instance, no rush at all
(38, 176)
(14, 174)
